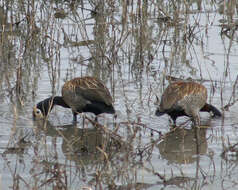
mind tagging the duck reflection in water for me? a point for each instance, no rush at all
(180, 145)
(79, 144)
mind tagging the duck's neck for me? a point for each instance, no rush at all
(58, 100)
(159, 113)
(47, 105)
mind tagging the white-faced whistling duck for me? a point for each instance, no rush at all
(86, 94)
(185, 99)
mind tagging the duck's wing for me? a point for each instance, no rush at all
(178, 91)
(90, 89)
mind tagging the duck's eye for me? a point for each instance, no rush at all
(38, 112)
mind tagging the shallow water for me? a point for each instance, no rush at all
(134, 48)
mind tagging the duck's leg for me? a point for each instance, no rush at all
(173, 117)
(75, 117)
(83, 117)
(196, 118)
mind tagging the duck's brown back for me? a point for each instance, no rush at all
(81, 91)
(183, 95)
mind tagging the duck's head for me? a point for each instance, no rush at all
(37, 113)
(42, 109)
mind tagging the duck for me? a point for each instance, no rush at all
(81, 94)
(185, 98)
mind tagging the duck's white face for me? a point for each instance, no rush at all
(37, 113)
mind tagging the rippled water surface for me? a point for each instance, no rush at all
(136, 49)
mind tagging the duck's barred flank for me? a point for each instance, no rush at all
(85, 94)
(185, 99)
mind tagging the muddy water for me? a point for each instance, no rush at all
(135, 49)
